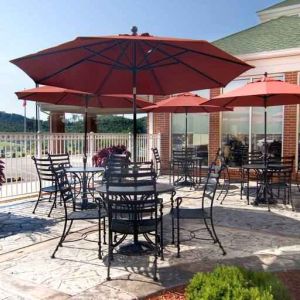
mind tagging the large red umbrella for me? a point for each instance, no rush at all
(62, 96)
(134, 64)
(264, 92)
(185, 103)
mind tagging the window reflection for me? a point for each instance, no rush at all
(274, 130)
(198, 133)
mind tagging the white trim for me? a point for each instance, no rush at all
(273, 13)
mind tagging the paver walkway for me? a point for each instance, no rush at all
(252, 237)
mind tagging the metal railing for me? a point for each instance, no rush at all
(16, 150)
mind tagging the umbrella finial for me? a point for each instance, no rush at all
(134, 30)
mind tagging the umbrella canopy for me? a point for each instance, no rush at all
(134, 64)
(57, 95)
(62, 96)
(185, 103)
(264, 92)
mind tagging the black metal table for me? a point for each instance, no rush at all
(138, 247)
(263, 168)
(190, 167)
(85, 175)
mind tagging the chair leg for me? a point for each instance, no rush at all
(37, 202)
(161, 233)
(172, 220)
(99, 241)
(216, 237)
(156, 255)
(104, 231)
(63, 236)
(109, 257)
(54, 204)
(209, 231)
(178, 234)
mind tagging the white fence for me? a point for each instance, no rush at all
(16, 151)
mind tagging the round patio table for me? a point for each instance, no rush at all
(188, 165)
(263, 191)
(85, 174)
(139, 247)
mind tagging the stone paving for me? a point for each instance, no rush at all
(252, 237)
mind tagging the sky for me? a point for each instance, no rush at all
(32, 25)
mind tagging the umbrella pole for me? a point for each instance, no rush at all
(265, 156)
(134, 102)
(186, 141)
(85, 133)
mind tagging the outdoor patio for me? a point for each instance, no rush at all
(251, 235)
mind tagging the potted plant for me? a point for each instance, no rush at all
(101, 157)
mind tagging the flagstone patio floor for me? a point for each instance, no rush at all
(252, 237)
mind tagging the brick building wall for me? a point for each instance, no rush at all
(161, 124)
(290, 122)
(214, 129)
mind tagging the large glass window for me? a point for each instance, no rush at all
(235, 128)
(274, 130)
(245, 122)
(197, 131)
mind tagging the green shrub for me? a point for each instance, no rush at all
(229, 282)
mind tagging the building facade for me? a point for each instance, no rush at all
(272, 46)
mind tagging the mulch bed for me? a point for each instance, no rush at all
(291, 279)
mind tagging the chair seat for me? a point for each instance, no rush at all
(127, 226)
(191, 213)
(49, 189)
(88, 214)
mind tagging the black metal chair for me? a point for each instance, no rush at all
(64, 159)
(183, 166)
(70, 212)
(159, 169)
(281, 180)
(219, 168)
(204, 212)
(60, 159)
(133, 209)
(47, 183)
(255, 157)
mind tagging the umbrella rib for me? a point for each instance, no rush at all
(192, 68)
(61, 98)
(148, 54)
(152, 72)
(207, 54)
(58, 51)
(105, 57)
(72, 65)
(155, 64)
(110, 71)
(107, 64)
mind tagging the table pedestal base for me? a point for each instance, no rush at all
(137, 248)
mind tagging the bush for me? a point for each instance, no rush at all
(229, 282)
(100, 159)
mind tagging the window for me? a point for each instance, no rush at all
(197, 130)
(235, 128)
(244, 123)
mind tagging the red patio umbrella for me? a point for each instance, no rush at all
(264, 92)
(134, 64)
(185, 103)
(62, 96)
